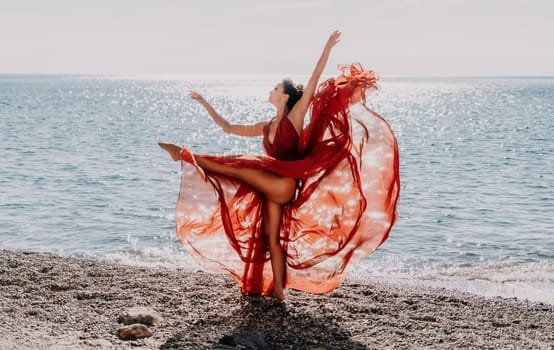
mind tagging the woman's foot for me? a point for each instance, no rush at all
(279, 295)
(173, 150)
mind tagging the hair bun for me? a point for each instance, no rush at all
(294, 91)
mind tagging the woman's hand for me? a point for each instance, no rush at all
(219, 120)
(334, 38)
(196, 96)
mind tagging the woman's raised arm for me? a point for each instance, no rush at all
(235, 129)
(298, 112)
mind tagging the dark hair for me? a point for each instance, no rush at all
(294, 92)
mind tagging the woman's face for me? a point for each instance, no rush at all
(277, 96)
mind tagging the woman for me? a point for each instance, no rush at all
(246, 204)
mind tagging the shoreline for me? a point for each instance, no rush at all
(53, 302)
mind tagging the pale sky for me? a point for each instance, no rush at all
(179, 37)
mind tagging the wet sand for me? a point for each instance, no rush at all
(53, 302)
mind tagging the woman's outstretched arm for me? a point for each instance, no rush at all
(235, 129)
(298, 112)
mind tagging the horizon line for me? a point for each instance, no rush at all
(173, 76)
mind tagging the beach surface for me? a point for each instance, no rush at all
(53, 302)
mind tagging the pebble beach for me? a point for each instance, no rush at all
(53, 302)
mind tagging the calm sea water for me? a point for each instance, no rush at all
(81, 173)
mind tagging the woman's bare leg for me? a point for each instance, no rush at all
(274, 187)
(271, 224)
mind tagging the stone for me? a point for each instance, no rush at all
(142, 315)
(251, 339)
(134, 331)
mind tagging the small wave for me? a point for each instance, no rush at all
(532, 280)
(525, 272)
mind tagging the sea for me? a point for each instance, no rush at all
(81, 173)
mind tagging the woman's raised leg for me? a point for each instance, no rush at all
(275, 188)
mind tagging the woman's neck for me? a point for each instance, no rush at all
(281, 112)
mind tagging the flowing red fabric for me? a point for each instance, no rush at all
(347, 170)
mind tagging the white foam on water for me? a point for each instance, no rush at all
(533, 280)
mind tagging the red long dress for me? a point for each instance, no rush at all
(347, 170)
